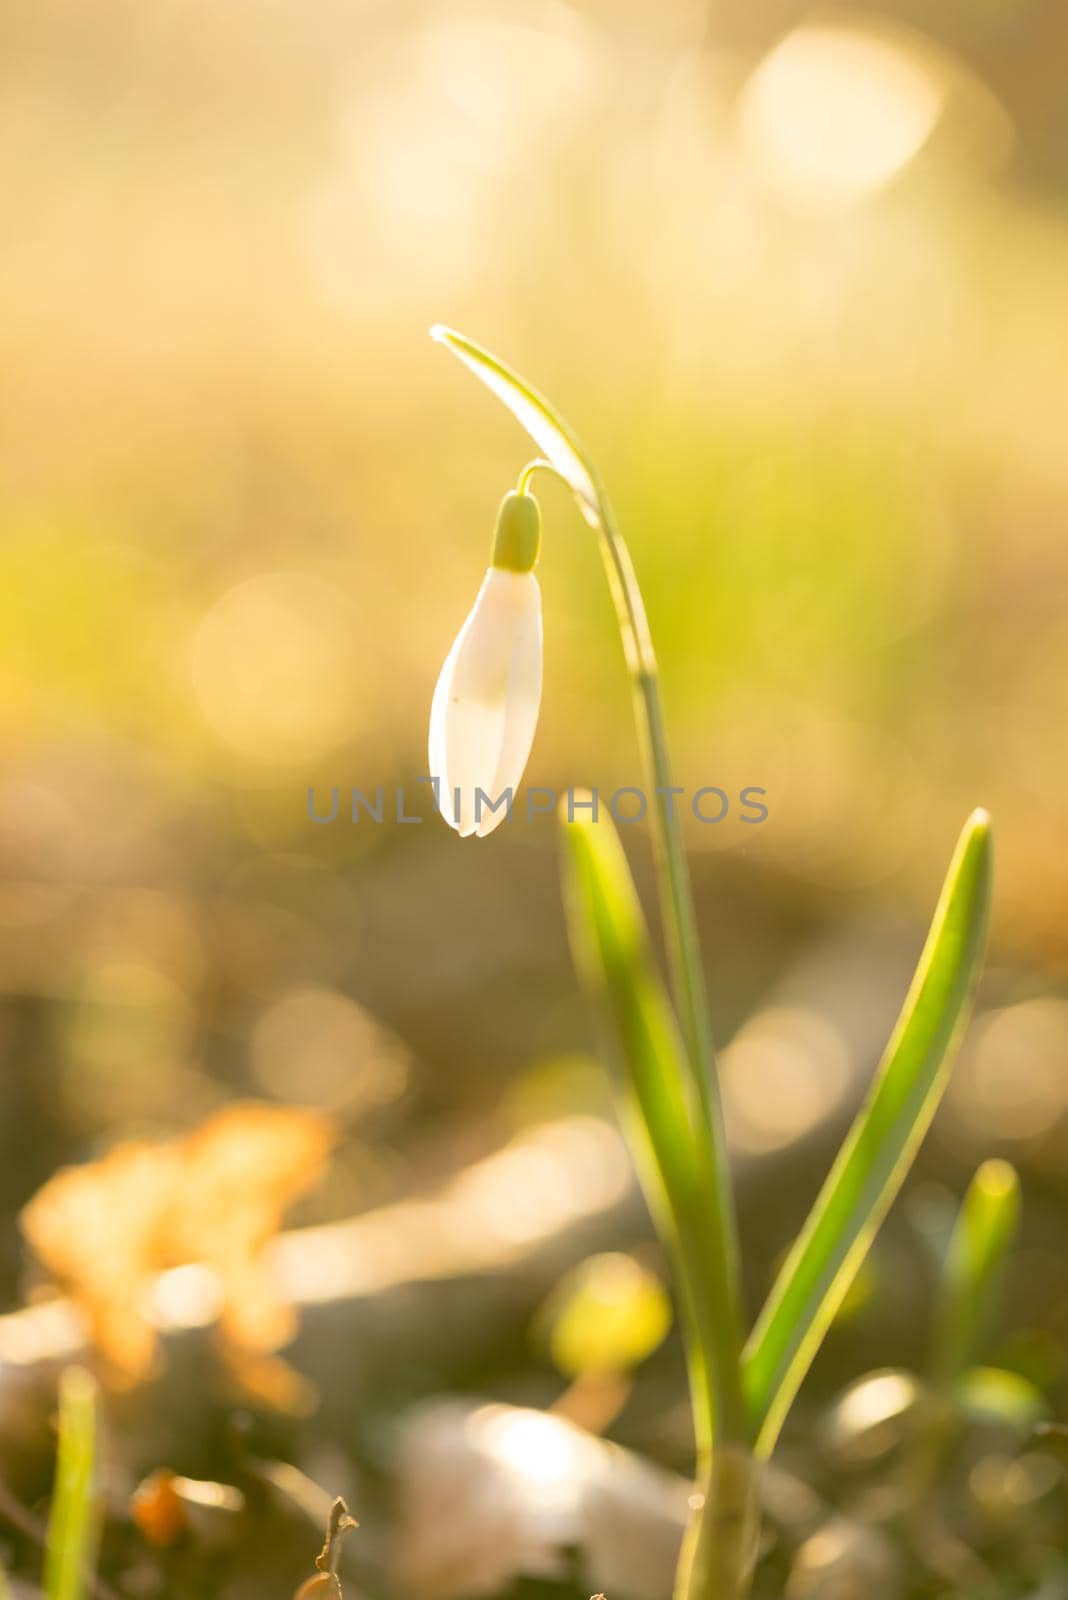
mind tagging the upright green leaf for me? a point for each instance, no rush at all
(70, 1551)
(552, 435)
(881, 1144)
(660, 1109)
(985, 1228)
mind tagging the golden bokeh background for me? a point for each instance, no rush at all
(797, 277)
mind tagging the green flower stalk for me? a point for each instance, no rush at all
(482, 726)
(70, 1549)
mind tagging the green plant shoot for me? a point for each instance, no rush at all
(70, 1550)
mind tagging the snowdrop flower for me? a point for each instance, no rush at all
(486, 702)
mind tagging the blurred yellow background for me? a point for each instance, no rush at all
(797, 277)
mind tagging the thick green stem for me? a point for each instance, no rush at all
(719, 1550)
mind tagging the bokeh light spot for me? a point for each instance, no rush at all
(274, 668)
(836, 111)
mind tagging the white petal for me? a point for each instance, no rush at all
(486, 702)
(523, 702)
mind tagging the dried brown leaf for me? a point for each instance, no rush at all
(218, 1195)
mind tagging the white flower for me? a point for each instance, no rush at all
(486, 702)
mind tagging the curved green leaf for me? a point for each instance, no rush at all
(661, 1111)
(552, 435)
(881, 1144)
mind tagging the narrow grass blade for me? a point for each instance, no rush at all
(70, 1551)
(982, 1238)
(660, 1108)
(880, 1146)
(553, 436)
